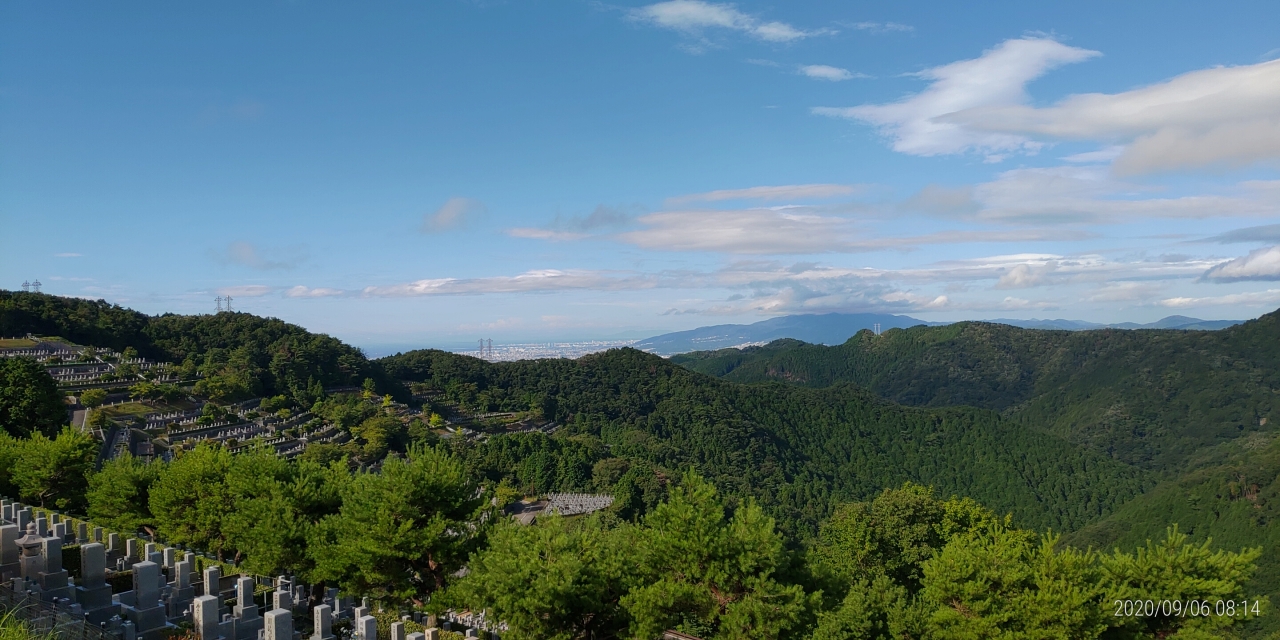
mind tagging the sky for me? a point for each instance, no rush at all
(426, 173)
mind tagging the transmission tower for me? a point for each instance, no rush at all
(481, 347)
(877, 328)
(219, 301)
(35, 286)
(26, 286)
(228, 299)
(490, 348)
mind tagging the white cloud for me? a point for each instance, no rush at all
(455, 213)
(743, 231)
(1089, 194)
(318, 292)
(246, 291)
(247, 255)
(825, 72)
(537, 233)
(1256, 298)
(1024, 276)
(1222, 116)
(1261, 264)
(997, 78)
(531, 281)
(694, 16)
(781, 192)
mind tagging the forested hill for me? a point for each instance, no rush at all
(1152, 398)
(798, 450)
(239, 354)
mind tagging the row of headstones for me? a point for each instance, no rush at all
(155, 603)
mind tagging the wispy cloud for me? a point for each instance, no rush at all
(562, 227)
(246, 290)
(997, 78)
(455, 213)
(1074, 194)
(828, 73)
(66, 255)
(781, 192)
(694, 17)
(1270, 297)
(543, 280)
(249, 255)
(1265, 233)
(301, 291)
(882, 27)
(1261, 264)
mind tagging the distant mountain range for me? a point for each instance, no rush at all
(835, 328)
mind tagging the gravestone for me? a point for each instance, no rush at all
(322, 623)
(146, 613)
(278, 624)
(8, 552)
(397, 631)
(53, 579)
(181, 593)
(212, 578)
(42, 527)
(416, 635)
(93, 593)
(281, 600)
(204, 618)
(367, 627)
(82, 533)
(248, 622)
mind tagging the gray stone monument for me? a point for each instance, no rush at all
(397, 631)
(9, 552)
(146, 613)
(322, 623)
(367, 627)
(181, 593)
(42, 527)
(278, 624)
(281, 600)
(204, 618)
(433, 634)
(417, 635)
(248, 622)
(94, 594)
(82, 533)
(53, 579)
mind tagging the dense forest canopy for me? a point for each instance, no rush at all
(1151, 398)
(794, 449)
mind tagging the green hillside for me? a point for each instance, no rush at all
(797, 450)
(241, 355)
(1152, 398)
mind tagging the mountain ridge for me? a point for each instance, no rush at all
(835, 328)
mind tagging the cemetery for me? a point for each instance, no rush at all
(95, 584)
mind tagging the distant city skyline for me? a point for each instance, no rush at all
(430, 174)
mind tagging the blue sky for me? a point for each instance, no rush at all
(415, 173)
